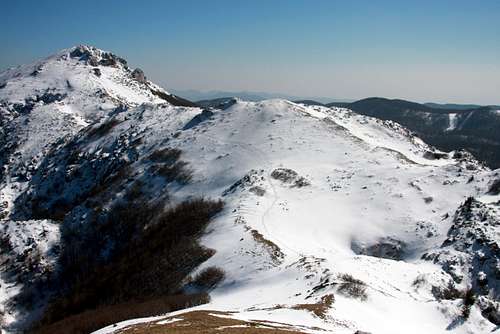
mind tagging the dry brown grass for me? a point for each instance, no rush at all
(98, 318)
(273, 249)
(319, 309)
(206, 322)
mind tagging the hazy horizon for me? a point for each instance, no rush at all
(197, 95)
(445, 52)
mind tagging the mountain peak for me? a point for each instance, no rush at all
(63, 93)
(95, 57)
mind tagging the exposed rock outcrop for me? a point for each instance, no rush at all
(435, 155)
(471, 254)
(289, 176)
(386, 248)
(139, 75)
(94, 57)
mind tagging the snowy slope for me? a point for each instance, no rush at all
(318, 201)
(369, 182)
(43, 103)
(366, 188)
(452, 124)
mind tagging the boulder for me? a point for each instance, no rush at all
(138, 75)
(435, 155)
(289, 176)
(108, 59)
(285, 175)
(259, 191)
(86, 54)
(386, 248)
(494, 187)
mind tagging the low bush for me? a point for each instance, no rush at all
(352, 287)
(135, 191)
(166, 155)
(468, 300)
(176, 172)
(168, 165)
(208, 278)
(103, 129)
(156, 250)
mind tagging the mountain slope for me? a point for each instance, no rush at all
(42, 106)
(324, 202)
(456, 106)
(330, 220)
(42, 102)
(446, 128)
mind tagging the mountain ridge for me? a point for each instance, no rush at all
(447, 129)
(315, 218)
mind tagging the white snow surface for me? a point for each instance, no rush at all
(368, 181)
(365, 180)
(452, 123)
(27, 238)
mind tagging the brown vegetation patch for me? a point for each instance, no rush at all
(158, 249)
(101, 317)
(165, 155)
(352, 287)
(319, 309)
(168, 164)
(275, 252)
(103, 129)
(204, 322)
(208, 278)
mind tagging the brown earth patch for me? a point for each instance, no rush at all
(206, 322)
(273, 249)
(319, 309)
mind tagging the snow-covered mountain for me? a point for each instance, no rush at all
(50, 101)
(332, 221)
(448, 128)
(58, 96)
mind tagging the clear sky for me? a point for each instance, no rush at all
(444, 51)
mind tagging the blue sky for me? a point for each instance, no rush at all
(419, 50)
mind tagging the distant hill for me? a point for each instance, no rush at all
(448, 128)
(309, 102)
(195, 95)
(457, 106)
(220, 103)
(338, 104)
(452, 106)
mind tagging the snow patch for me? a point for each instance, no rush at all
(452, 122)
